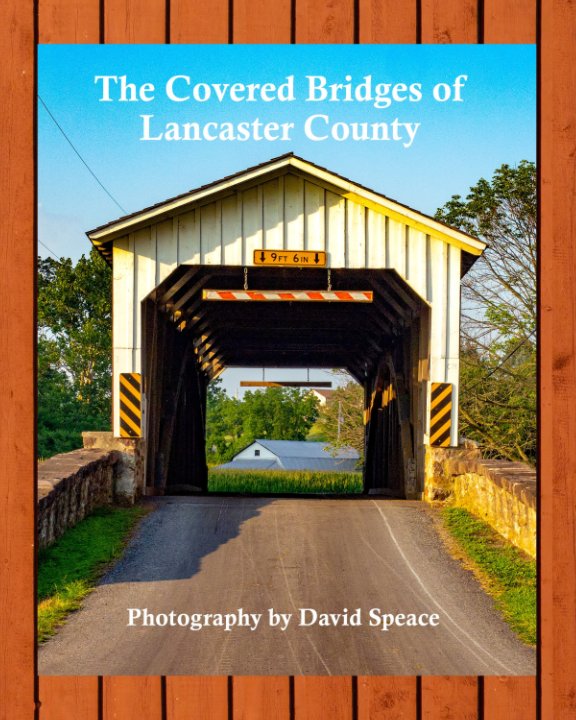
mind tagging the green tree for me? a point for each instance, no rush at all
(223, 426)
(74, 350)
(275, 413)
(498, 358)
(340, 421)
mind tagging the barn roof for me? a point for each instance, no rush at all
(103, 236)
(305, 449)
(297, 455)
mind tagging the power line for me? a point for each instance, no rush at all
(49, 250)
(80, 156)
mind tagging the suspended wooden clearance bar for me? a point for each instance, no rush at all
(284, 383)
(364, 296)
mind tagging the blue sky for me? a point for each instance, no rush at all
(455, 144)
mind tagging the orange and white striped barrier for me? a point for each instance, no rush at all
(289, 295)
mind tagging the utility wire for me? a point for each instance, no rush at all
(80, 156)
(49, 250)
(505, 360)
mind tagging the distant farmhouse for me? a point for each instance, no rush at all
(323, 396)
(293, 455)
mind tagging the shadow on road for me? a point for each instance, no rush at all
(200, 524)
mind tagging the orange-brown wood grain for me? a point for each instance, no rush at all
(512, 698)
(450, 698)
(260, 698)
(331, 21)
(449, 21)
(68, 697)
(262, 21)
(131, 698)
(196, 698)
(316, 21)
(513, 21)
(195, 21)
(17, 394)
(387, 698)
(133, 21)
(387, 21)
(557, 262)
(68, 21)
(323, 698)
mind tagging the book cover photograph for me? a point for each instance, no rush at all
(287, 360)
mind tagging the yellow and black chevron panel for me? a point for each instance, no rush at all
(441, 414)
(130, 405)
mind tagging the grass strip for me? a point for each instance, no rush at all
(284, 481)
(508, 574)
(69, 569)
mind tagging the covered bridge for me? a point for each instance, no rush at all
(286, 264)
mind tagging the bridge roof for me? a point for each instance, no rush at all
(103, 236)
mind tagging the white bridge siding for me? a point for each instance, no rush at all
(289, 212)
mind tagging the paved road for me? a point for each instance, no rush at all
(214, 555)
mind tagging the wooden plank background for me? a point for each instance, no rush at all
(553, 695)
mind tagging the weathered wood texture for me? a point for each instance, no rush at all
(557, 360)
(69, 697)
(329, 21)
(17, 447)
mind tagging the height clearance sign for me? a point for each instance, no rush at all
(304, 258)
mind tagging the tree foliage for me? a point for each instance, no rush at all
(498, 355)
(276, 414)
(74, 351)
(341, 420)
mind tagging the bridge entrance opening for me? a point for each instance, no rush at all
(189, 339)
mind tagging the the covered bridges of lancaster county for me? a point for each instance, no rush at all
(285, 264)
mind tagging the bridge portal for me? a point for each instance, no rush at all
(286, 264)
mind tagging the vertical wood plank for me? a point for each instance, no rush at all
(557, 359)
(194, 21)
(131, 21)
(211, 233)
(261, 698)
(68, 697)
(323, 698)
(453, 21)
(449, 698)
(315, 217)
(272, 214)
(397, 247)
(387, 21)
(387, 698)
(17, 347)
(376, 239)
(294, 212)
(68, 21)
(132, 698)
(189, 238)
(262, 21)
(513, 21)
(335, 236)
(196, 698)
(355, 235)
(513, 698)
(232, 229)
(251, 222)
(331, 21)
(166, 249)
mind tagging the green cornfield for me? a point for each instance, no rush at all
(284, 481)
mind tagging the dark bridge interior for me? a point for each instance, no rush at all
(188, 341)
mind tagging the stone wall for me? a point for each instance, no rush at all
(130, 482)
(70, 486)
(502, 493)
